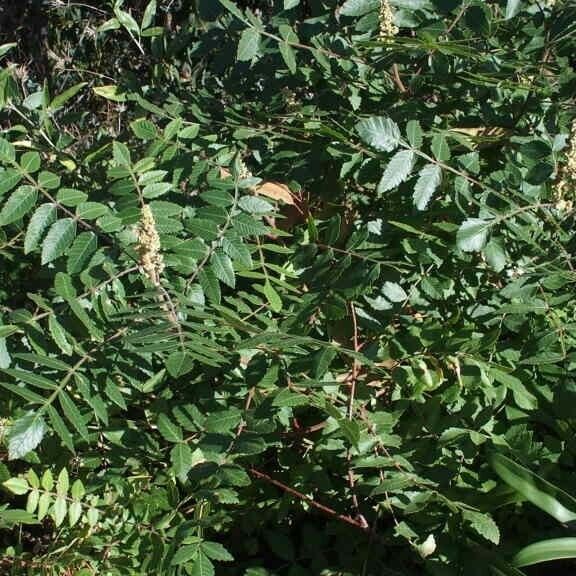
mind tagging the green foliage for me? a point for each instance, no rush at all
(545, 551)
(282, 294)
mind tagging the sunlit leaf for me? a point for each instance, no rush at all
(473, 234)
(249, 45)
(20, 202)
(58, 239)
(25, 435)
(546, 551)
(380, 132)
(535, 489)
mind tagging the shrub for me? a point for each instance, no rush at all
(287, 287)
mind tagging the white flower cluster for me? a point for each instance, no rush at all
(566, 181)
(387, 26)
(244, 170)
(151, 258)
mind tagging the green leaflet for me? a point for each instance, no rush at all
(249, 45)
(255, 205)
(83, 247)
(113, 392)
(48, 180)
(179, 363)
(273, 297)
(189, 132)
(91, 210)
(541, 493)
(202, 565)
(512, 8)
(359, 7)
(397, 171)
(31, 378)
(59, 510)
(215, 551)
(156, 190)
(48, 361)
(144, 129)
(414, 133)
(68, 94)
(185, 554)
(237, 250)
(25, 435)
(121, 154)
(64, 286)
(169, 430)
(204, 228)
(5, 359)
(18, 486)
(73, 414)
(522, 396)
(60, 427)
(71, 196)
(223, 269)
(222, 422)
(149, 13)
(19, 203)
(232, 8)
(11, 518)
(7, 151)
(379, 132)
(428, 181)
(288, 53)
(181, 459)
(483, 524)
(440, 148)
(41, 219)
(126, 20)
(289, 56)
(210, 284)
(94, 331)
(30, 162)
(473, 234)
(59, 237)
(546, 551)
(8, 179)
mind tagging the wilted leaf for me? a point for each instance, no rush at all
(275, 191)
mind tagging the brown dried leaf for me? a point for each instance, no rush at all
(275, 191)
(482, 131)
(224, 173)
(272, 190)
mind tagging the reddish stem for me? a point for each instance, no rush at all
(325, 509)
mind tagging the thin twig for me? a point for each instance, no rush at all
(351, 396)
(397, 80)
(325, 509)
(355, 364)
